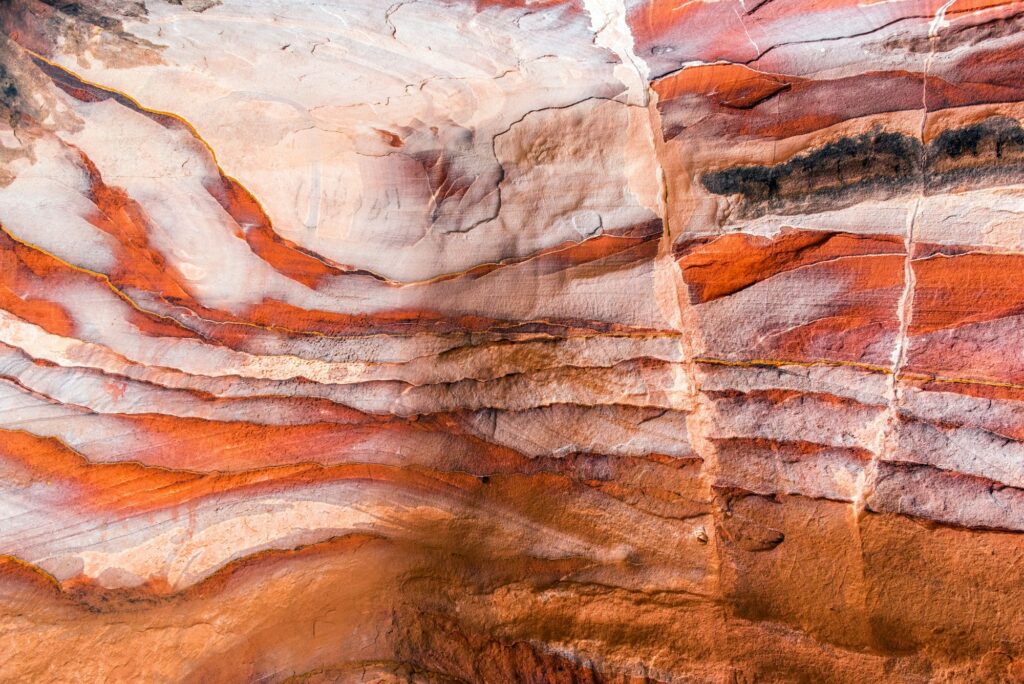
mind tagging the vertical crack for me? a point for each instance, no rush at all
(904, 309)
(673, 299)
(888, 431)
(612, 31)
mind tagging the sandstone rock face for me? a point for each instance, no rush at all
(511, 341)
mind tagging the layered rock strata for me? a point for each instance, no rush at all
(499, 341)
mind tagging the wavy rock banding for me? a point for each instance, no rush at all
(500, 341)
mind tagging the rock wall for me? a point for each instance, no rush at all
(511, 341)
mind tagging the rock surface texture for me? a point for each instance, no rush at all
(511, 341)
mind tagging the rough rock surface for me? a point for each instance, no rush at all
(511, 340)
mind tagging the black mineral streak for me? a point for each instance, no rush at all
(875, 165)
